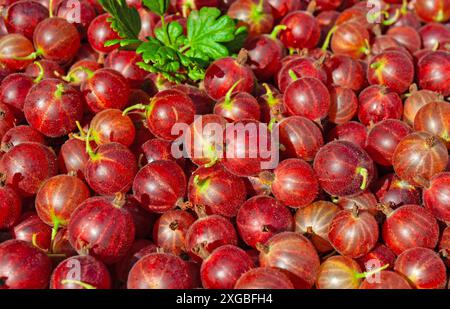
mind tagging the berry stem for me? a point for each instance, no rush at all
(85, 285)
(371, 273)
(365, 175)
(262, 248)
(119, 200)
(327, 41)
(393, 19)
(276, 31)
(200, 250)
(227, 99)
(59, 91)
(293, 75)
(41, 72)
(139, 106)
(50, 8)
(89, 150)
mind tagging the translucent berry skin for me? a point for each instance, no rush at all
(13, 46)
(383, 138)
(295, 183)
(300, 137)
(53, 107)
(415, 102)
(353, 235)
(388, 280)
(13, 91)
(24, 266)
(230, 259)
(23, 16)
(434, 70)
(434, 118)
(99, 32)
(418, 156)
(261, 217)
(377, 103)
(307, 97)
(224, 73)
(302, 30)
(393, 69)
(159, 271)
(351, 131)
(102, 229)
(410, 226)
(429, 11)
(27, 165)
(159, 185)
(266, 278)
(34, 231)
(350, 40)
(344, 105)
(110, 125)
(437, 195)
(92, 272)
(109, 160)
(340, 167)
(338, 272)
(106, 89)
(294, 255)
(422, 267)
(56, 39)
(214, 187)
(10, 207)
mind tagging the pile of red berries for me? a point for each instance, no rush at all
(93, 195)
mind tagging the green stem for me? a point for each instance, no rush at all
(272, 122)
(392, 20)
(370, 273)
(365, 175)
(276, 31)
(41, 72)
(327, 41)
(227, 99)
(404, 8)
(139, 106)
(54, 230)
(89, 150)
(80, 128)
(269, 93)
(50, 8)
(201, 184)
(293, 75)
(31, 56)
(59, 91)
(34, 241)
(85, 285)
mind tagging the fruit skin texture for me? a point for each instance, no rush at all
(52, 107)
(353, 234)
(56, 39)
(307, 97)
(261, 217)
(352, 131)
(110, 125)
(392, 69)
(12, 46)
(429, 11)
(377, 103)
(314, 221)
(346, 72)
(341, 167)
(99, 32)
(302, 30)
(422, 267)
(58, 197)
(436, 196)
(29, 227)
(13, 91)
(227, 259)
(169, 231)
(22, 17)
(350, 40)
(434, 118)
(383, 138)
(224, 73)
(23, 266)
(418, 156)
(21, 134)
(388, 280)
(338, 272)
(294, 255)
(73, 157)
(159, 271)
(263, 278)
(27, 165)
(212, 231)
(295, 183)
(300, 137)
(410, 226)
(101, 228)
(108, 161)
(220, 191)
(10, 207)
(159, 185)
(106, 89)
(434, 70)
(92, 272)
(380, 254)
(344, 105)
(415, 102)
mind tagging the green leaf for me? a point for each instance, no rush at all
(157, 6)
(206, 30)
(171, 35)
(124, 20)
(240, 35)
